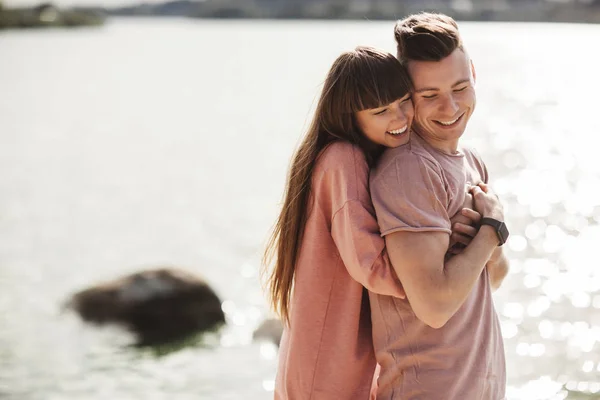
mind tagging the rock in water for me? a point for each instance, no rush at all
(271, 329)
(159, 306)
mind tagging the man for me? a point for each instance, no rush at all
(443, 341)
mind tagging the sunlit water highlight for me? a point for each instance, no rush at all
(166, 142)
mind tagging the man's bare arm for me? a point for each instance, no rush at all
(497, 268)
(435, 287)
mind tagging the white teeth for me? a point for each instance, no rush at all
(399, 131)
(451, 122)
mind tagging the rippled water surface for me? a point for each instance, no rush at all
(153, 142)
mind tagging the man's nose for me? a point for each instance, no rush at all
(449, 105)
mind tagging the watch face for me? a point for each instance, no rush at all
(503, 232)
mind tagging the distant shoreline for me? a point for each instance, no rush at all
(526, 11)
(48, 15)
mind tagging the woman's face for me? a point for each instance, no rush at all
(388, 125)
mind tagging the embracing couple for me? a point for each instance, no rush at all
(388, 246)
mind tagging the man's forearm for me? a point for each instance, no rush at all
(461, 272)
(436, 288)
(497, 268)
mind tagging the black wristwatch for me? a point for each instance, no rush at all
(499, 226)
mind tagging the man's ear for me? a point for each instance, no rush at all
(473, 72)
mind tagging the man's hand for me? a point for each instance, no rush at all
(486, 202)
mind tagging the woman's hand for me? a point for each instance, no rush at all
(465, 225)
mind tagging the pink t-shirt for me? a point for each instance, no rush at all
(418, 188)
(327, 352)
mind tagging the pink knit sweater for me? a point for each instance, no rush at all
(327, 351)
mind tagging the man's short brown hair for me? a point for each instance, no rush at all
(426, 37)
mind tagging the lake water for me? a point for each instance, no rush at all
(166, 142)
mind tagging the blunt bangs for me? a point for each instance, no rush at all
(373, 79)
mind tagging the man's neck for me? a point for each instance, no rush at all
(444, 146)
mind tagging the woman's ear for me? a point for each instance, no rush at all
(473, 72)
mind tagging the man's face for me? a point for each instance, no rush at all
(444, 98)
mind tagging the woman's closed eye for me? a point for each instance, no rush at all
(381, 111)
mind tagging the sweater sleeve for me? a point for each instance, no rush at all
(356, 234)
(344, 195)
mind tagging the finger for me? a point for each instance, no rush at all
(473, 215)
(461, 239)
(463, 229)
(475, 190)
(484, 186)
(455, 249)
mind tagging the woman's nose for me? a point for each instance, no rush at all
(400, 115)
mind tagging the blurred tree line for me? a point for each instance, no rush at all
(47, 15)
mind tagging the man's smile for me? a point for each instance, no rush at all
(451, 122)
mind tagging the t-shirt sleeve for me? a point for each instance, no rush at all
(410, 194)
(484, 170)
(480, 164)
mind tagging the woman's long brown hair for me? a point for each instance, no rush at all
(358, 80)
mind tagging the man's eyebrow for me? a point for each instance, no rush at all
(428, 89)
(466, 80)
